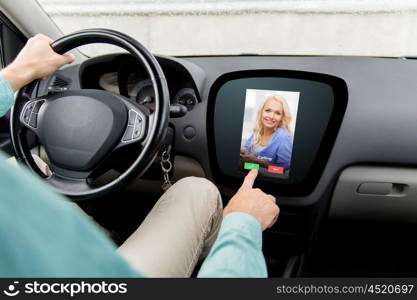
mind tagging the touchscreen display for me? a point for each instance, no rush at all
(268, 132)
(283, 123)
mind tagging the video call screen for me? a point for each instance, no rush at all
(268, 132)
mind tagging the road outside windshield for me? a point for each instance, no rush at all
(264, 27)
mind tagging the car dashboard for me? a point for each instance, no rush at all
(354, 155)
(124, 75)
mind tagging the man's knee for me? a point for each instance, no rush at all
(197, 182)
(202, 188)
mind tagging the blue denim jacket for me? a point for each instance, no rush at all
(277, 152)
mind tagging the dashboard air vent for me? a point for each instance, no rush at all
(59, 82)
(30, 88)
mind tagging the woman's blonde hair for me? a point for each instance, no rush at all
(258, 131)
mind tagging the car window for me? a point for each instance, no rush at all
(264, 27)
(11, 41)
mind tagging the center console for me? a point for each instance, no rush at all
(281, 123)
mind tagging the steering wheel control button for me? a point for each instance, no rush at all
(29, 115)
(133, 132)
(189, 132)
(134, 128)
(132, 117)
(26, 116)
(38, 105)
(128, 134)
(138, 128)
(33, 122)
(136, 133)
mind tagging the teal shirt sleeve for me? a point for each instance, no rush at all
(6, 96)
(42, 234)
(237, 251)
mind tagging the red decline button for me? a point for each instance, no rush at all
(275, 169)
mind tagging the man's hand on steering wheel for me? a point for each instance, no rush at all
(81, 128)
(35, 60)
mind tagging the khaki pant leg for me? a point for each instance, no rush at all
(39, 162)
(181, 228)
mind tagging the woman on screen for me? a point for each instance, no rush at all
(271, 140)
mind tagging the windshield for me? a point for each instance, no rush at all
(264, 27)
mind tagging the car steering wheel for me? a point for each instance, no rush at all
(81, 128)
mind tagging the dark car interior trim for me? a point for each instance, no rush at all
(325, 137)
(329, 229)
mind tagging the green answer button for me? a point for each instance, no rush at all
(251, 166)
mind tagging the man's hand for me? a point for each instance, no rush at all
(254, 202)
(35, 60)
